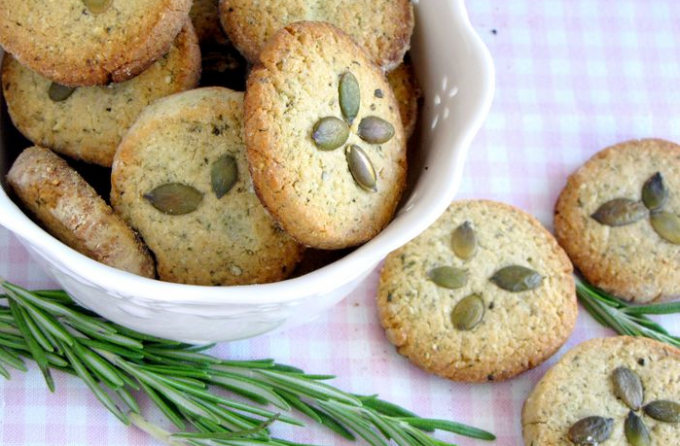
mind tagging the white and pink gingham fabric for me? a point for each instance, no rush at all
(573, 76)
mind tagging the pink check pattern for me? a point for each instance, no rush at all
(573, 76)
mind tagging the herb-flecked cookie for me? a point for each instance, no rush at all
(407, 91)
(618, 218)
(484, 294)
(382, 27)
(181, 179)
(619, 391)
(90, 42)
(69, 209)
(87, 123)
(326, 146)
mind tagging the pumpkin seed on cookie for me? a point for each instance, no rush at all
(361, 168)
(448, 277)
(464, 241)
(516, 278)
(223, 175)
(174, 198)
(329, 133)
(620, 212)
(58, 92)
(468, 313)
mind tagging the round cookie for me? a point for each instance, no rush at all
(69, 209)
(90, 122)
(195, 140)
(74, 44)
(311, 192)
(382, 27)
(407, 91)
(456, 310)
(632, 261)
(581, 385)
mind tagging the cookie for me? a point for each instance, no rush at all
(69, 209)
(87, 123)
(89, 42)
(582, 385)
(382, 27)
(634, 260)
(180, 178)
(325, 185)
(407, 91)
(484, 294)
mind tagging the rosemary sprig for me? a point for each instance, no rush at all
(49, 328)
(624, 318)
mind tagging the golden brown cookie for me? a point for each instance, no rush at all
(382, 27)
(632, 261)
(310, 168)
(407, 91)
(69, 209)
(90, 42)
(589, 381)
(87, 123)
(484, 294)
(181, 179)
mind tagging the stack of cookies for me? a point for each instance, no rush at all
(211, 186)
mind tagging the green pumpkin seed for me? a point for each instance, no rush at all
(654, 192)
(667, 225)
(175, 198)
(223, 175)
(350, 97)
(591, 430)
(663, 410)
(468, 313)
(636, 431)
(58, 92)
(361, 168)
(517, 278)
(375, 130)
(97, 6)
(620, 212)
(448, 277)
(628, 387)
(330, 133)
(464, 241)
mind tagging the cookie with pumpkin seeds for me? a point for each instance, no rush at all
(327, 154)
(88, 123)
(90, 42)
(483, 294)
(181, 179)
(618, 218)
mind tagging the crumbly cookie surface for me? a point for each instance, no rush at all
(311, 192)
(382, 27)
(630, 261)
(90, 123)
(225, 241)
(519, 330)
(580, 385)
(71, 210)
(69, 44)
(408, 94)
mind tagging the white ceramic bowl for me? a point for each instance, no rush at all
(457, 77)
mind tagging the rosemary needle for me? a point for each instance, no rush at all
(49, 328)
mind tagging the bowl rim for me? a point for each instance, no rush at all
(121, 283)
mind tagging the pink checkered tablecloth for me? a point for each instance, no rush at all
(573, 76)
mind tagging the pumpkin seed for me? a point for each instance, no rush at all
(330, 133)
(175, 198)
(664, 410)
(97, 6)
(517, 278)
(654, 192)
(628, 387)
(636, 431)
(58, 92)
(448, 277)
(375, 130)
(223, 175)
(620, 212)
(667, 225)
(468, 313)
(361, 168)
(464, 241)
(350, 97)
(591, 430)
